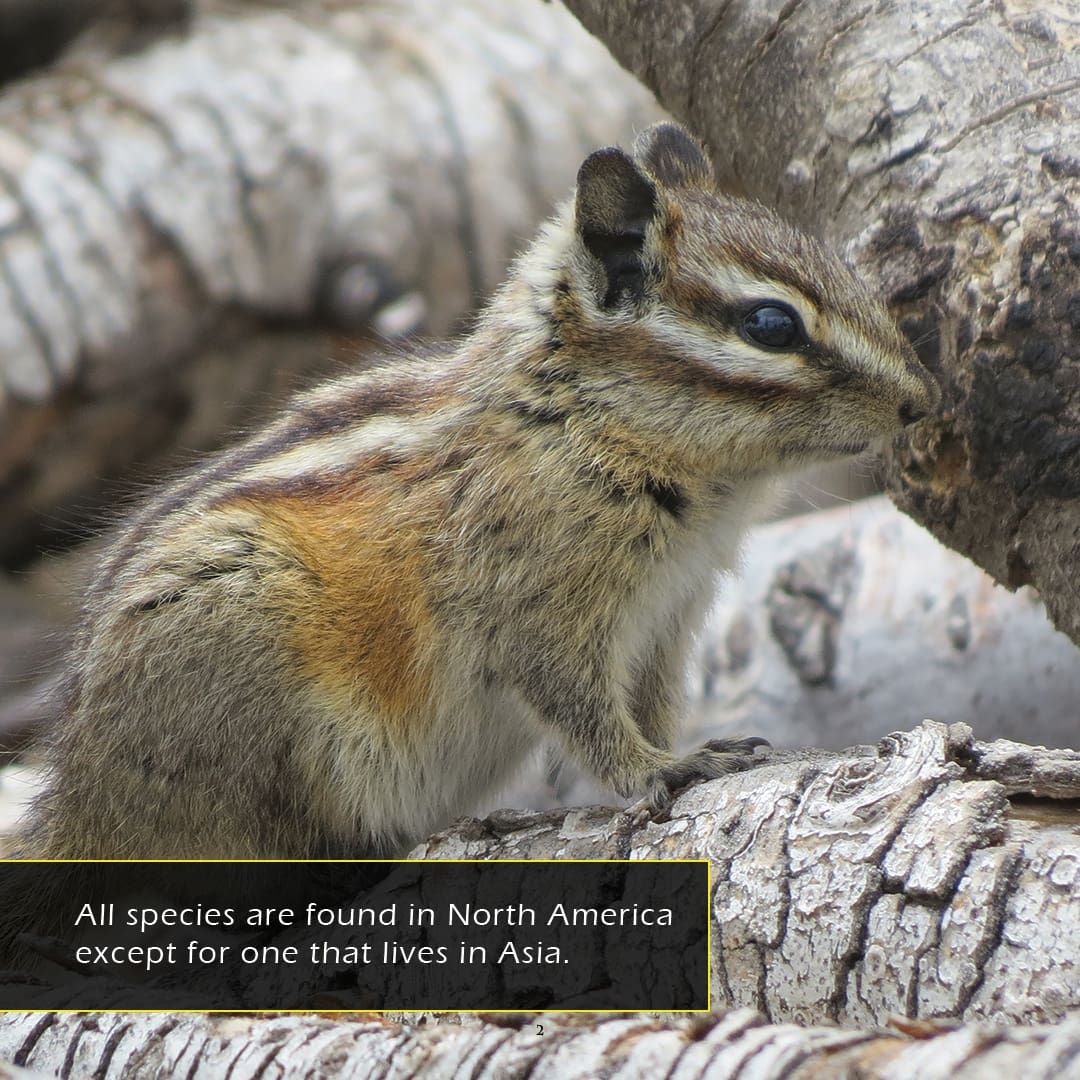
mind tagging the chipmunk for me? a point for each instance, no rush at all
(344, 632)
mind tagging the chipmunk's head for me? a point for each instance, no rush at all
(743, 338)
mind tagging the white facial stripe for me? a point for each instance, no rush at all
(728, 352)
(870, 358)
(736, 283)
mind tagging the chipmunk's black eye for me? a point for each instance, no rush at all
(775, 325)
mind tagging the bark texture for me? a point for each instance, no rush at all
(818, 640)
(181, 222)
(855, 886)
(569, 1047)
(936, 139)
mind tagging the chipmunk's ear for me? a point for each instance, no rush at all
(672, 156)
(615, 203)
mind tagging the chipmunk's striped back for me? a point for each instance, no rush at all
(350, 628)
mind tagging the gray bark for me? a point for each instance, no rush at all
(921, 880)
(181, 223)
(934, 138)
(844, 624)
(736, 1045)
(850, 887)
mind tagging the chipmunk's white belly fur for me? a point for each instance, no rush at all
(683, 587)
(396, 791)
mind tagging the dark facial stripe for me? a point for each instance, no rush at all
(704, 378)
(661, 361)
(704, 305)
(833, 363)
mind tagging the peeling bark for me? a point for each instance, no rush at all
(844, 624)
(937, 877)
(933, 139)
(180, 221)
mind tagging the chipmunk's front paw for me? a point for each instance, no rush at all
(716, 758)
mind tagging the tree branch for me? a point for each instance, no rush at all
(932, 138)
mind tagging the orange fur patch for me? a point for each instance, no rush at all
(359, 617)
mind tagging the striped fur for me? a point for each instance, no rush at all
(352, 627)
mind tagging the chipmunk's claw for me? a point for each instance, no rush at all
(716, 758)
